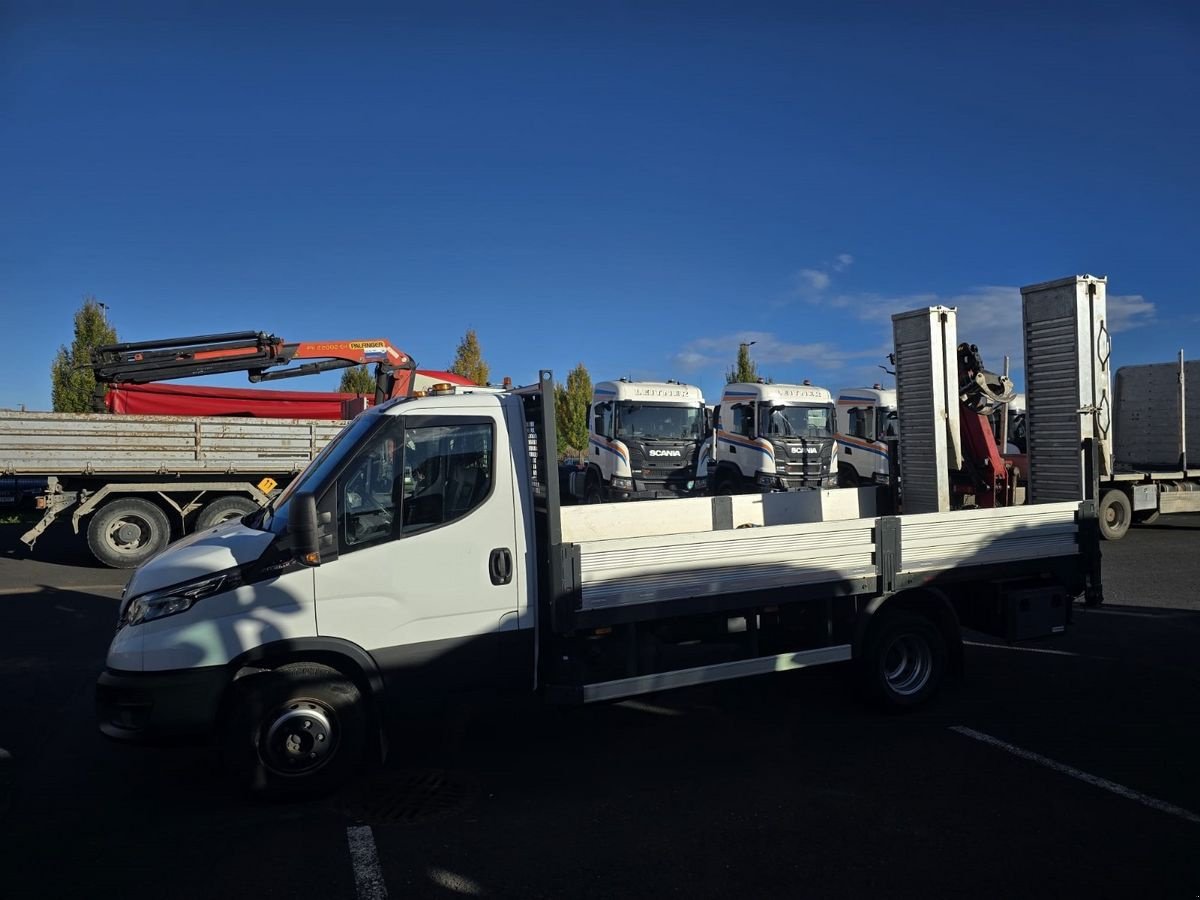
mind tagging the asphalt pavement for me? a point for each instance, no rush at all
(1061, 767)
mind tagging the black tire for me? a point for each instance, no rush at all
(847, 476)
(297, 731)
(903, 661)
(222, 510)
(125, 533)
(593, 493)
(725, 485)
(1116, 513)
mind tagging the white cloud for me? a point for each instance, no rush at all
(1127, 311)
(815, 279)
(842, 262)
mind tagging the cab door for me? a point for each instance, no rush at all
(427, 575)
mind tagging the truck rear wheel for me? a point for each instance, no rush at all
(296, 731)
(127, 532)
(222, 510)
(903, 661)
(1116, 512)
(847, 476)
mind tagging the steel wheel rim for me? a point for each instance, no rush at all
(300, 738)
(128, 543)
(907, 664)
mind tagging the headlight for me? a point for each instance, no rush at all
(180, 598)
(623, 484)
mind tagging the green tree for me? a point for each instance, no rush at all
(468, 360)
(744, 371)
(72, 381)
(571, 410)
(357, 380)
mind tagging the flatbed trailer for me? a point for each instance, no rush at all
(139, 481)
(426, 553)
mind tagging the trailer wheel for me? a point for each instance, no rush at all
(847, 476)
(127, 532)
(1116, 512)
(222, 510)
(903, 661)
(296, 731)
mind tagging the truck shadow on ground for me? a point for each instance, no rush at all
(59, 546)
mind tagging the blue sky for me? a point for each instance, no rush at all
(637, 186)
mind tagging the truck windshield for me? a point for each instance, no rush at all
(648, 421)
(797, 421)
(330, 457)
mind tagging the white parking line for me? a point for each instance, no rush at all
(1134, 615)
(368, 876)
(1119, 789)
(1037, 650)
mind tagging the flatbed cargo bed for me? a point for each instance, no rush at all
(72, 444)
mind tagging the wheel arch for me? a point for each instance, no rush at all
(341, 655)
(929, 602)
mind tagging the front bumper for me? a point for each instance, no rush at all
(658, 491)
(143, 707)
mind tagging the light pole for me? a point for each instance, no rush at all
(103, 311)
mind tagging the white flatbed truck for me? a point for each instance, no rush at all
(425, 552)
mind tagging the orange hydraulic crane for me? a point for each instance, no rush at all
(263, 356)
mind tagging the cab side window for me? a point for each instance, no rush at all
(743, 420)
(366, 503)
(411, 479)
(603, 419)
(448, 471)
(862, 422)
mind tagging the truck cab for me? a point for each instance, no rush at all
(643, 442)
(866, 420)
(772, 437)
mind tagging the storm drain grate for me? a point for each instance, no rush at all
(404, 798)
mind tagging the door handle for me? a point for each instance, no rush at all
(500, 566)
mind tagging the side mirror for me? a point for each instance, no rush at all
(304, 525)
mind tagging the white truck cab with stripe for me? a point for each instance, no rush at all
(866, 418)
(643, 442)
(772, 437)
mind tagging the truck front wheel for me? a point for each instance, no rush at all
(222, 510)
(593, 493)
(1116, 512)
(903, 661)
(296, 731)
(127, 532)
(725, 486)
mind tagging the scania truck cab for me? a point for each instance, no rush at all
(866, 420)
(643, 443)
(771, 437)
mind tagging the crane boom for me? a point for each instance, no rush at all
(263, 356)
